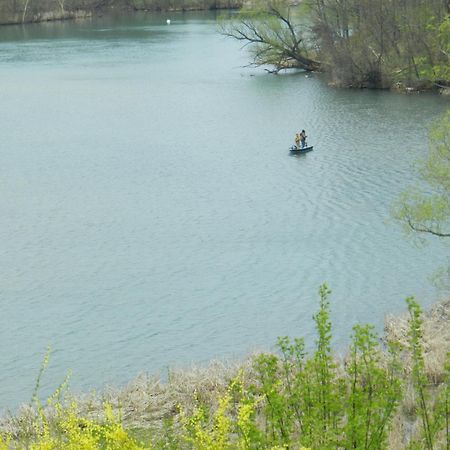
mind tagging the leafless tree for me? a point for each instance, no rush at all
(274, 37)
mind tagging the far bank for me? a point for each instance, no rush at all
(28, 11)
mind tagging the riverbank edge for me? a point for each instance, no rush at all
(29, 16)
(147, 402)
(57, 11)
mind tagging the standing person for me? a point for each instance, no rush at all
(303, 138)
(297, 140)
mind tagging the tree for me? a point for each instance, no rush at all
(359, 43)
(353, 39)
(275, 36)
(426, 209)
(438, 68)
(375, 43)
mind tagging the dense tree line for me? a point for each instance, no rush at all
(361, 43)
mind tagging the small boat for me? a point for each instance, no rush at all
(295, 149)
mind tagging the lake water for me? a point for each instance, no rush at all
(152, 216)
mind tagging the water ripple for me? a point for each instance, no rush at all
(152, 214)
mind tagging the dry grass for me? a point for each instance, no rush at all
(436, 338)
(436, 345)
(147, 400)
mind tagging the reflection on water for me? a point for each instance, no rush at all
(152, 214)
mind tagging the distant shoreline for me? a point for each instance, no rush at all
(29, 11)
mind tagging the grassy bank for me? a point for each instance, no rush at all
(391, 393)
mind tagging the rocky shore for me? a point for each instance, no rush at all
(26, 11)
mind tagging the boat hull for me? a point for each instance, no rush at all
(294, 149)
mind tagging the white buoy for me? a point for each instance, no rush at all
(168, 21)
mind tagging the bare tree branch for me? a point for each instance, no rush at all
(272, 36)
(420, 229)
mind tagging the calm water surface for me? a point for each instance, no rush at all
(152, 216)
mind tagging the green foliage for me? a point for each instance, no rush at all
(35, 397)
(323, 389)
(433, 408)
(437, 68)
(58, 425)
(426, 209)
(418, 375)
(300, 400)
(374, 391)
(440, 414)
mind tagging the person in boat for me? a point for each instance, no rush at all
(303, 139)
(297, 140)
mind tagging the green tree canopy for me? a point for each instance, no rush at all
(426, 208)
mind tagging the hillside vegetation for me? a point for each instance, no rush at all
(384, 394)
